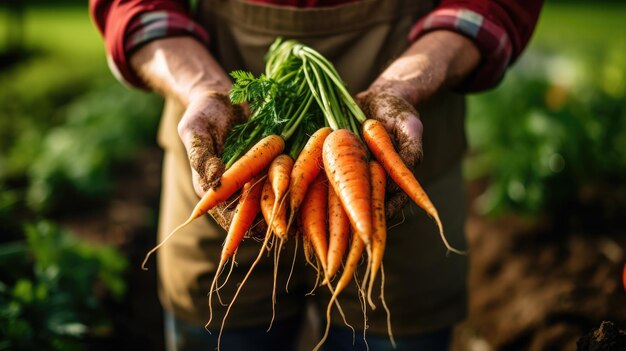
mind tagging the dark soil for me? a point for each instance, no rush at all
(540, 284)
(607, 337)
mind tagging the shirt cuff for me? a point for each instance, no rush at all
(145, 28)
(491, 40)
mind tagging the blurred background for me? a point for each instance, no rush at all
(80, 170)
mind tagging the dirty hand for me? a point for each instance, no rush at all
(390, 106)
(181, 68)
(203, 130)
(438, 60)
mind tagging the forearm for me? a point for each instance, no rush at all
(437, 60)
(180, 68)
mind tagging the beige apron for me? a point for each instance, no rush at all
(425, 289)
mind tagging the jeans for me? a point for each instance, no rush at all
(182, 336)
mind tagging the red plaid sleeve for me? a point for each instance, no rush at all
(500, 30)
(127, 25)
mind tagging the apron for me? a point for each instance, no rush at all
(425, 288)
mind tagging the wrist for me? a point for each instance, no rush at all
(436, 60)
(185, 77)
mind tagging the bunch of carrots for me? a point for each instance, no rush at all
(315, 167)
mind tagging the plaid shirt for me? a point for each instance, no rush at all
(500, 30)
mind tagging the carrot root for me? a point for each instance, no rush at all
(384, 303)
(379, 143)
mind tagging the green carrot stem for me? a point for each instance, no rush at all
(243, 148)
(315, 93)
(334, 76)
(289, 132)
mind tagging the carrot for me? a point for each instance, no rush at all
(379, 232)
(384, 303)
(306, 168)
(338, 233)
(268, 207)
(247, 209)
(275, 219)
(352, 261)
(345, 162)
(245, 168)
(279, 185)
(314, 211)
(307, 249)
(279, 176)
(279, 173)
(379, 143)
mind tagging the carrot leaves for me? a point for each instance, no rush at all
(299, 93)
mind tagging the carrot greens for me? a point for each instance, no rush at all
(281, 100)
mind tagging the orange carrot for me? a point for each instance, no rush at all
(345, 162)
(267, 203)
(379, 232)
(338, 233)
(313, 212)
(247, 209)
(306, 168)
(352, 261)
(279, 175)
(379, 143)
(250, 164)
(276, 220)
(268, 208)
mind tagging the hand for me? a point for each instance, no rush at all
(203, 130)
(198, 82)
(387, 104)
(436, 61)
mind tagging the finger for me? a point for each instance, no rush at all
(203, 160)
(196, 182)
(203, 129)
(400, 119)
(258, 228)
(408, 134)
(403, 122)
(222, 216)
(391, 186)
(395, 204)
(223, 213)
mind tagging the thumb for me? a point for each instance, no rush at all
(395, 204)
(401, 120)
(203, 160)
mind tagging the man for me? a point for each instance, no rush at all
(398, 57)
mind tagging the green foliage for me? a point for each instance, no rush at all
(66, 124)
(102, 128)
(50, 297)
(98, 130)
(558, 123)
